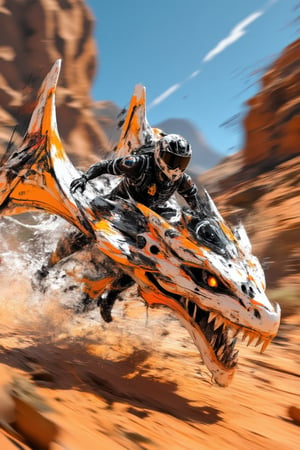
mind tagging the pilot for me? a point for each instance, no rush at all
(150, 175)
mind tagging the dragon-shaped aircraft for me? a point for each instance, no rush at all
(195, 265)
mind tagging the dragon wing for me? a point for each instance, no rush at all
(136, 130)
(38, 174)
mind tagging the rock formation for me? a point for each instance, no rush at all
(272, 126)
(33, 35)
(261, 183)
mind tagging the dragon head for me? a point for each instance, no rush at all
(199, 268)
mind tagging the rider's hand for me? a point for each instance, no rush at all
(79, 183)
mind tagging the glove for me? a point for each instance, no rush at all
(78, 183)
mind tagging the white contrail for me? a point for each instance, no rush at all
(238, 31)
(194, 74)
(164, 95)
(235, 34)
(172, 89)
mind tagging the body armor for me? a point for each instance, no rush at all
(143, 181)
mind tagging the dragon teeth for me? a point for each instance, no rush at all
(211, 317)
(235, 355)
(236, 333)
(264, 346)
(248, 335)
(251, 337)
(220, 351)
(229, 330)
(260, 340)
(244, 337)
(234, 341)
(213, 340)
(218, 323)
(195, 312)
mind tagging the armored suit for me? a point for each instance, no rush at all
(150, 176)
(143, 182)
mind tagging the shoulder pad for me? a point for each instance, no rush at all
(129, 161)
(187, 178)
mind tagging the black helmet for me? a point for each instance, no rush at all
(172, 155)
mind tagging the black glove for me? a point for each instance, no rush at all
(78, 183)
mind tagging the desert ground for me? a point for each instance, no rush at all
(136, 383)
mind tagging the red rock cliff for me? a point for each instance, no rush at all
(33, 35)
(261, 183)
(272, 125)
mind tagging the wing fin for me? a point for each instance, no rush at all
(136, 130)
(38, 174)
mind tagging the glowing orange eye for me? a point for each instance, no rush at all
(212, 282)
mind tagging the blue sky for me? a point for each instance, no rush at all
(199, 59)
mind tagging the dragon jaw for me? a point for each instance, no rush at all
(215, 295)
(214, 335)
(215, 321)
(214, 315)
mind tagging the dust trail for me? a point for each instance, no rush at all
(26, 241)
(25, 244)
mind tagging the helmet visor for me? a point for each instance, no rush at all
(174, 161)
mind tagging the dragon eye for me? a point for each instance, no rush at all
(212, 282)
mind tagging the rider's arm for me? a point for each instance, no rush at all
(98, 169)
(129, 166)
(189, 191)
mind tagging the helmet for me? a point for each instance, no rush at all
(172, 155)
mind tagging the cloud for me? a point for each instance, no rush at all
(235, 34)
(164, 95)
(194, 74)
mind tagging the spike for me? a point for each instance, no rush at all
(235, 355)
(245, 335)
(212, 316)
(236, 332)
(264, 346)
(218, 322)
(232, 345)
(252, 336)
(225, 324)
(229, 330)
(195, 312)
(220, 351)
(259, 341)
(213, 340)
